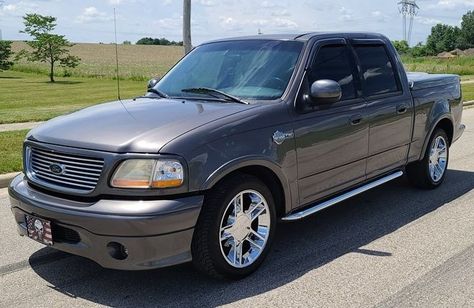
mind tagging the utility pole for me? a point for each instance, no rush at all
(1, 5)
(187, 26)
(409, 9)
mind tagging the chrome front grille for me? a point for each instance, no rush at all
(62, 170)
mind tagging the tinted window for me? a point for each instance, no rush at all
(333, 62)
(378, 70)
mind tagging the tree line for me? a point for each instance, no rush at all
(443, 38)
(158, 41)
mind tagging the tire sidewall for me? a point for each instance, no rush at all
(221, 264)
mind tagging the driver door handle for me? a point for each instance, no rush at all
(356, 119)
(402, 108)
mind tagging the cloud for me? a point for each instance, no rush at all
(231, 23)
(453, 4)
(9, 8)
(379, 16)
(427, 20)
(205, 2)
(92, 14)
(168, 23)
(281, 13)
(345, 14)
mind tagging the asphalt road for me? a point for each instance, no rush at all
(393, 246)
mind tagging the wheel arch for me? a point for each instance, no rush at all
(268, 172)
(444, 122)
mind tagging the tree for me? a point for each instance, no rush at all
(47, 47)
(467, 30)
(127, 43)
(187, 26)
(158, 41)
(401, 46)
(443, 38)
(5, 55)
(419, 50)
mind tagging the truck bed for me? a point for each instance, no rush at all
(420, 80)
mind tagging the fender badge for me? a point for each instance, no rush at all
(279, 137)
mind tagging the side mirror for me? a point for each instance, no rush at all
(152, 82)
(325, 91)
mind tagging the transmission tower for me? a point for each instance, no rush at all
(409, 9)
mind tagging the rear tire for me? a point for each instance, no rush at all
(231, 241)
(430, 172)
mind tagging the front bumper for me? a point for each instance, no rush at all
(155, 233)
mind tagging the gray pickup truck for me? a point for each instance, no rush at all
(240, 134)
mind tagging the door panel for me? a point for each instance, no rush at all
(331, 151)
(389, 107)
(390, 134)
(331, 140)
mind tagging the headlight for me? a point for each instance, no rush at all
(148, 173)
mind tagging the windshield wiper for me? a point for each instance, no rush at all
(212, 92)
(158, 92)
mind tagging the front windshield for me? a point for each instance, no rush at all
(248, 69)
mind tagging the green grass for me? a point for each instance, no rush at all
(26, 97)
(468, 91)
(463, 66)
(11, 144)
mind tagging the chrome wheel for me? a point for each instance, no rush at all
(244, 228)
(438, 158)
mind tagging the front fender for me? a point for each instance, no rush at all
(247, 161)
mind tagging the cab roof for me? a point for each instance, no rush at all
(304, 36)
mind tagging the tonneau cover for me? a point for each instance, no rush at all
(420, 80)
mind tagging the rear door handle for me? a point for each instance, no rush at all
(401, 109)
(356, 119)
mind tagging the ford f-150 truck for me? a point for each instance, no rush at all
(238, 135)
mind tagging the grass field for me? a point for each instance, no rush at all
(468, 91)
(28, 97)
(137, 62)
(460, 66)
(11, 144)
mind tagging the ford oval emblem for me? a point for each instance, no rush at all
(56, 168)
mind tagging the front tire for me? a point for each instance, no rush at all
(430, 172)
(235, 229)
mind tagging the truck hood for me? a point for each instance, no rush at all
(142, 126)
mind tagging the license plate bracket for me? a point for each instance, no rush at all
(39, 229)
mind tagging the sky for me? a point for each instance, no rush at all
(92, 21)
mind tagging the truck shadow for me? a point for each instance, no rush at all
(299, 248)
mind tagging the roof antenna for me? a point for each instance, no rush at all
(116, 57)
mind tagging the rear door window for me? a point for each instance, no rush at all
(377, 69)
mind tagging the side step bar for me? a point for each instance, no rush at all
(321, 206)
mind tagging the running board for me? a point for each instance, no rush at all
(321, 206)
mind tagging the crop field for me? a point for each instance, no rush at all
(137, 62)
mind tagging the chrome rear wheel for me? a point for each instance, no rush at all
(438, 158)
